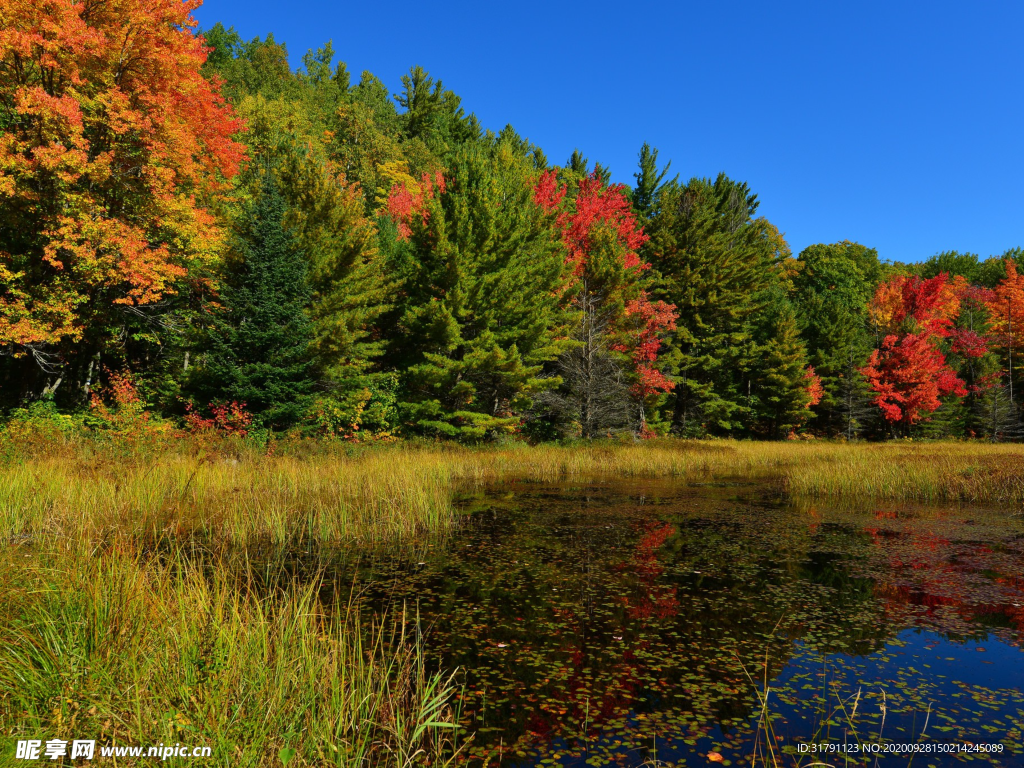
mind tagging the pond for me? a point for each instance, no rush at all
(663, 624)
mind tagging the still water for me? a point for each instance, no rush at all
(663, 624)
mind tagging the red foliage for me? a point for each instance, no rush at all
(908, 376)
(909, 373)
(911, 304)
(815, 390)
(968, 343)
(595, 205)
(226, 418)
(1006, 308)
(653, 319)
(405, 204)
(644, 322)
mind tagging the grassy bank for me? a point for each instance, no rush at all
(111, 629)
(400, 491)
(131, 652)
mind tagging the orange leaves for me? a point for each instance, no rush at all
(116, 144)
(908, 303)
(1005, 305)
(813, 386)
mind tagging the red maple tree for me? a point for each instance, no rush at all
(909, 372)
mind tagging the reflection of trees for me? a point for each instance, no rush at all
(578, 615)
(612, 622)
(955, 587)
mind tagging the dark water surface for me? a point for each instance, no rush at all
(624, 623)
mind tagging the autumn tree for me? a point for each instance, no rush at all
(602, 237)
(113, 143)
(909, 373)
(1005, 306)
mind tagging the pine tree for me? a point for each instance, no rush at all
(481, 306)
(258, 345)
(649, 182)
(349, 290)
(779, 394)
(714, 261)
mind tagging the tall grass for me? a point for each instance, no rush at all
(110, 629)
(128, 652)
(399, 491)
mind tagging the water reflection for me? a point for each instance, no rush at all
(617, 624)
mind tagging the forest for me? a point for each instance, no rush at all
(196, 237)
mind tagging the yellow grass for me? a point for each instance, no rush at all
(396, 491)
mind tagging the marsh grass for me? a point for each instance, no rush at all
(128, 652)
(111, 628)
(232, 496)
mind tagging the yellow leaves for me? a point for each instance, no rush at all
(390, 175)
(883, 307)
(27, 319)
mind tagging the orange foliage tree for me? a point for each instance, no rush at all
(909, 373)
(112, 143)
(1005, 304)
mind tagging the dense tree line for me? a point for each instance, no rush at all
(185, 210)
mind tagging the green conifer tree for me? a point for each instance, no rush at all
(649, 182)
(779, 396)
(714, 261)
(258, 346)
(480, 307)
(832, 286)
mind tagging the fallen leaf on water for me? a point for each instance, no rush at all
(715, 757)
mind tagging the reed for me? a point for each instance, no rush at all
(400, 491)
(125, 651)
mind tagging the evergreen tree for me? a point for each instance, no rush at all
(779, 395)
(480, 307)
(832, 287)
(649, 182)
(434, 114)
(258, 346)
(714, 261)
(349, 290)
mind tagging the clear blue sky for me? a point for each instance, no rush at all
(895, 124)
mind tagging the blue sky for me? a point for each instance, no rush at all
(895, 124)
